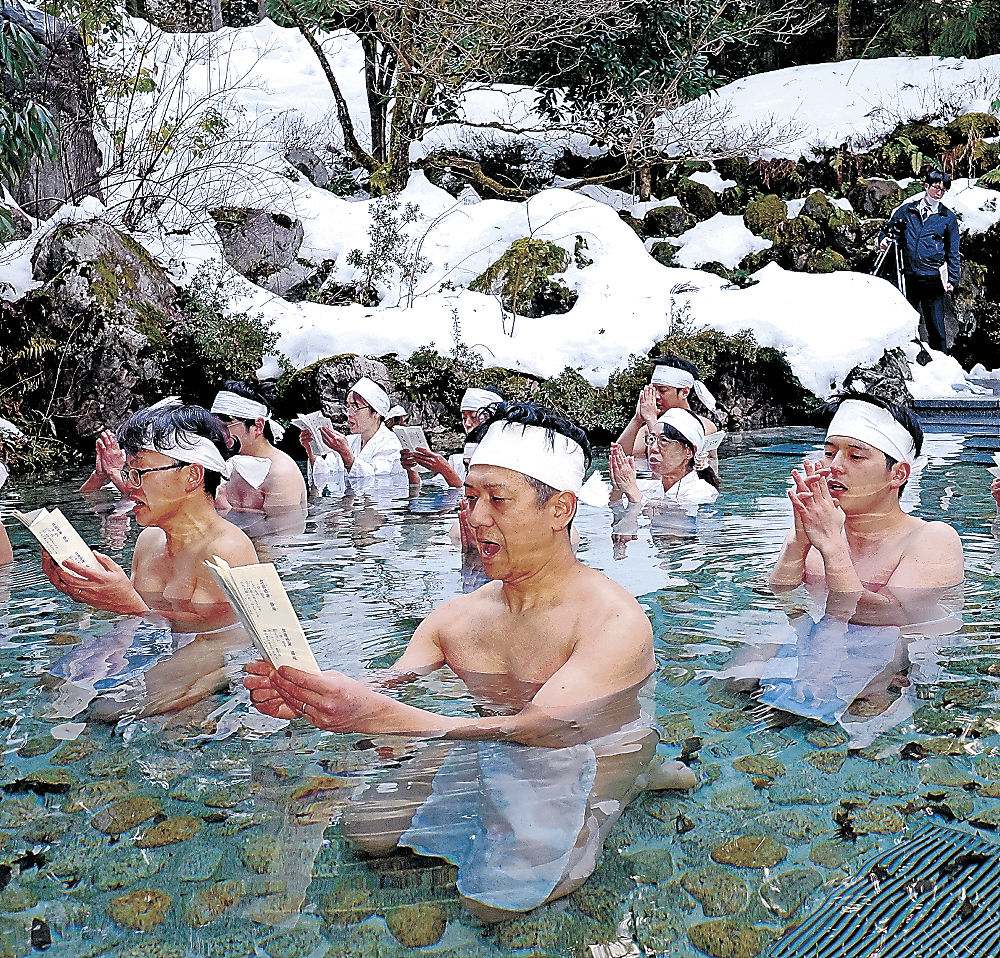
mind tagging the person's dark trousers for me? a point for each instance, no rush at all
(926, 296)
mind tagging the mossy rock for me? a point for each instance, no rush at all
(764, 214)
(844, 230)
(826, 261)
(818, 207)
(986, 156)
(124, 814)
(717, 889)
(697, 199)
(733, 168)
(875, 197)
(667, 221)
(931, 140)
(664, 253)
(779, 176)
(634, 222)
(750, 851)
(177, 829)
(732, 200)
(141, 909)
(973, 125)
(522, 279)
(799, 232)
(756, 261)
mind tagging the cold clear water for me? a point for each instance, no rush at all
(257, 864)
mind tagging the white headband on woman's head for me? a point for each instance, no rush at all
(396, 411)
(240, 407)
(186, 446)
(871, 424)
(688, 425)
(373, 394)
(664, 375)
(475, 399)
(541, 454)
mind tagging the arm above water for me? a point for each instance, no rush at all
(615, 656)
(6, 552)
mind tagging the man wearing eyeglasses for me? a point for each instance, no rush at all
(928, 234)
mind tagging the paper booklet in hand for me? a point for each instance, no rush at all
(713, 441)
(314, 421)
(260, 600)
(60, 540)
(995, 470)
(412, 438)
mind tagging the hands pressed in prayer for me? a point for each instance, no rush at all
(819, 520)
(645, 408)
(623, 474)
(110, 589)
(109, 460)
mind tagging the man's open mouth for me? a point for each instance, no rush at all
(835, 486)
(488, 549)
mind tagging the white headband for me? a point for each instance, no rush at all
(545, 455)
(688, 425)
(866, 422)
(396, 411)
(373, 394)
(475, 399)
(680, 378)
(187, 446)
(4, 474)
(239, 407)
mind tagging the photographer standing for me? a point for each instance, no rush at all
(927, 232)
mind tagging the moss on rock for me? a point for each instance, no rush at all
(764, 214)
(697, 199)
(522, 278)
(973, 125)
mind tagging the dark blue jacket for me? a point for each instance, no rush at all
(926, 245)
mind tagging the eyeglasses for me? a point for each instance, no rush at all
(232, 421)
(937, 186)
(356, 407)
(133, 477)
(661, 440)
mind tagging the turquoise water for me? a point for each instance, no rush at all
(257, 864)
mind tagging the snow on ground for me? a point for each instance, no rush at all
(712, 180)
(975, 205)
(943, 376)
(825, 324)
(830, 103)
(795, 205)
(721, 239)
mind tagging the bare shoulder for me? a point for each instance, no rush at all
(150, 541)
(605, 603)
(710, 426)
(932, 556)
(460, 612)
(936, 535)
(232, 544)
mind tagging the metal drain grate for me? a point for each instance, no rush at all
(936, 895)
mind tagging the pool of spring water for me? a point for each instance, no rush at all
(247, 857)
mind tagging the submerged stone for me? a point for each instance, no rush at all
(125, 867)
(750, 851)
(785, 892)
(346, 903)
(70, 752)
(988, 766)
(726, 938)
(37, 745)
(177, 829)
(141, 909)
(876, 820)
(199, 863)
(124, 814)
(803, 790)
(738, 799)
(827, 736)
(827, 761)
(209, 903)
(835, 854)
(260, 853)
(93, 795)
(717, 889)
(762, 765)
(942, 772)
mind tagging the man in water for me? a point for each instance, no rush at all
(669, 387)
(264, 479)
(474, 405)
(849, 532)
(556, 655)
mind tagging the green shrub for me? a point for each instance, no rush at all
(973, 126)
(522, 279)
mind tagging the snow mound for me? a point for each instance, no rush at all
(721, 239)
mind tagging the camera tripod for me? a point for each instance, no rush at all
(881, 258)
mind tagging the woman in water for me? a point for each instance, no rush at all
(671, 452)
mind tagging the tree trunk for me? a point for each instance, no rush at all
(843, 29)
(215, 10)
(645, 184)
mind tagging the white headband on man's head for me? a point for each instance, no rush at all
(240, 407)
(186, 446)
(871, 424)
(688, 425)
(541, 454)
(475, 399)
(664, 375)
(373, 394)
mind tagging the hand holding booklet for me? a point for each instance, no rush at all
(260, 600)
(58, 537)
(412, 438)
(314, 422)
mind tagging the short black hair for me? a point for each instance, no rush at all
(161, 424)
(532, 414)
(934, 176)
(242, 388)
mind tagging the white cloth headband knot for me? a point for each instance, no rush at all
(475, 399)
(541, 454)
(373, 394)
(239, 407)
(664, 375)
(396, 411)
(186, 446)
(688, 425)
(871, 424)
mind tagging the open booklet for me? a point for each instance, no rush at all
(58, 537)
(412, 438)
(314, 421)
(260, 600)
(713, 441)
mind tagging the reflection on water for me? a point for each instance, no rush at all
(216, 831)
